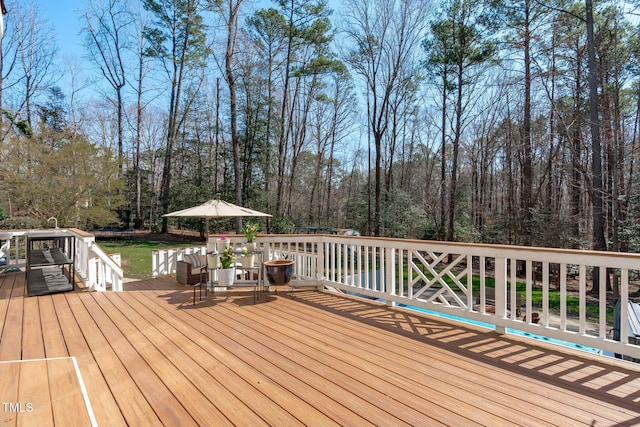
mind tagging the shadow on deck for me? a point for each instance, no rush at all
(148, 356)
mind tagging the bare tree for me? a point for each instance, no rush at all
(304, 33)
(342, 113)
(35, 58)
(77, 84)
(106, 41)
(383, 36)
(139, 47)
(229, 11)
(8, 57)
(177, 40)
(598, 241)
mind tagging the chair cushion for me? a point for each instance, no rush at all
(194, 259)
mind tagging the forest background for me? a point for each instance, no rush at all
(509, 122)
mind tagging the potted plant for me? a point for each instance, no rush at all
(227, 271)
(251, 231)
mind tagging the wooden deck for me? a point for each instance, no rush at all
(148, 356)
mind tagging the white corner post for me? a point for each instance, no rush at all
(501, 291)
(390, 274)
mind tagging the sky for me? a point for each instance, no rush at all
(64, 16)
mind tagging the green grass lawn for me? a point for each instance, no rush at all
(136, 255)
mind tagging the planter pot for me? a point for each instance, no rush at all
(279, 271)
(221, 244)
(248, 261)
(226, 276)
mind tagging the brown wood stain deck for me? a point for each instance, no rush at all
(149, 356)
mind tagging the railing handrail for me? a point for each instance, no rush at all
(104, 270)
(164, 261)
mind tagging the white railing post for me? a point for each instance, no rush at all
(582, 295)
(390, 273)
(90, 281)
(155, 268)
(83, 254)
(563, 296)
(320, 248)
(17, 250)
(112, 272)
(483, 282)
(545, 294)
(470, 282)
(602, 299)
(372, 275)
(624, 308)
(501, 289)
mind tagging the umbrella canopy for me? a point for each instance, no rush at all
(217, 208)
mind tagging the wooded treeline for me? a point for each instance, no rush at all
(454, 120)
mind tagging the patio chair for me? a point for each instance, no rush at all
(192, 271)
(188, 270)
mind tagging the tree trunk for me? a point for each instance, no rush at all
(233, 104)
(599, 242)
(378, 183)
(443, 167)
(282, 138)
(576, 154)
(453, 190)
(172, 128)
(527, 170)
(140, 110)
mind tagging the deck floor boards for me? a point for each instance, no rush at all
(65, 386)
(27, 388)
(149, 356)
(107, 411)
(53, 340)
(11, 343)
(157, 352)
(32, 340)
(246, 350)
(343, 353)
(237, 375)
(131, 401)
(327, 358)
(9, 381)
(169, 409)
(222, 386)
(431, 376)
(35, 392)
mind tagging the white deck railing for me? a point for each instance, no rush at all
(440, 276)
(94, 267)
(164, 261)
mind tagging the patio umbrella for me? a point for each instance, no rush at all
(217, 208)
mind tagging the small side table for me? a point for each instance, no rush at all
(249, 277)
